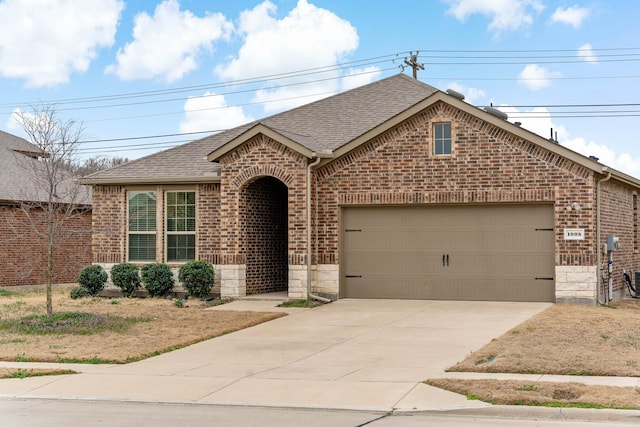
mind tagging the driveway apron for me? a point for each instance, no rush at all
(350, 354)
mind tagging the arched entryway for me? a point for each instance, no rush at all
(264, 213)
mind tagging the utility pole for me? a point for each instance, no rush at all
(414, 64)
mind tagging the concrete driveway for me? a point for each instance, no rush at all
(350, 354)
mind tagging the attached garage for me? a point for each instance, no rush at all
(470, 252)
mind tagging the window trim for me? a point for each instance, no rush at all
(435, 139)
(130, 195)
(167, 233)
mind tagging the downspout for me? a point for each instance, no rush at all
(311, 165)
(598, 248)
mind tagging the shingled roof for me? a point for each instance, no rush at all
(326, 124)
(18, 166)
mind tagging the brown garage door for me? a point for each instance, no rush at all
(479, 252)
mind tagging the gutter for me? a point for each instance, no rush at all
(598, 249)
(325, 154)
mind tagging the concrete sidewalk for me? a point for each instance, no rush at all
(351, 354)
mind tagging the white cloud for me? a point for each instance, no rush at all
(471, 94)
(623, 162)
(167, 44)
(535, 77)
(45, 42)
(505, 14)
(538, 120)
(210, 112)
(586, 53)
(573, 16)
(360, 77)
(13, 124)
(308, 37)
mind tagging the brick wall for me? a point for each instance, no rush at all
(264, 223)
(258, 158)
(488, 165)
(23, 251)
(617, 217)
(109, 224)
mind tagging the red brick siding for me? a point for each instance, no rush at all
(616, 201)
(488, 165)
(110, 223)
(208, 223)
(264, 223)
(261, 157)
(23, 259)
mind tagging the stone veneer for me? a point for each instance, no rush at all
(325, 279)
(576, 283)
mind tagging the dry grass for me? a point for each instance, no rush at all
(6, 373)
(562, 340)
(543, 393)
(169, 327)
(567, 340)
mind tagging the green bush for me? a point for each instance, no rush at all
(127, 277)
(158, 279)
(197, 278)
(79, 292)
(92, 278)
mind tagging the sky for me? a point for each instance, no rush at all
(143, 76)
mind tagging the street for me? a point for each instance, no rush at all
(77, 413)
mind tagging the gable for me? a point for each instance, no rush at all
(483, 153)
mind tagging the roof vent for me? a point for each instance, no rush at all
(495, 112)
(455, 94)
(594, 158)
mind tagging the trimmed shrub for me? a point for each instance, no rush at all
(127, 277)
(79, 292)
(92, 278)
(197, 278)
(158, 279)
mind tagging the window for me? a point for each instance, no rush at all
(442, 138)
(142, 225)
(181, 226)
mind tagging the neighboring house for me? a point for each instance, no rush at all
(391, 190)
(22, 235)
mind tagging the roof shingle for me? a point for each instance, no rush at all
(326, 124)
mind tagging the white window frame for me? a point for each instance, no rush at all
(180, 233)
(130, 196)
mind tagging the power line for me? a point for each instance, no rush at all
(262, 79)
(550, 106)
(235, 92)
(361, 62)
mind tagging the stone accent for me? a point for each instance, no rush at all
(297, 281)
(576, 283)
(325, 280)
(233, 280)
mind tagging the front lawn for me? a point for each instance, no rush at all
(102, 330)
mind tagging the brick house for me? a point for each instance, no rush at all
(22, 221)
(391, 190)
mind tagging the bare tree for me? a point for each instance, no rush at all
(98, 163)
(51, 197)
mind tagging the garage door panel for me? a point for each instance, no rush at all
(486, 252)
